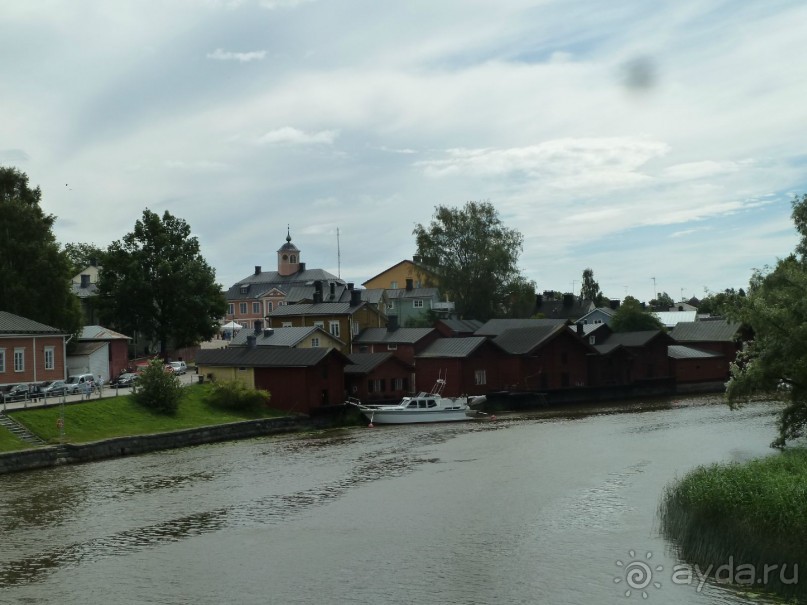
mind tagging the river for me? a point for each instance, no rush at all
(548, 507)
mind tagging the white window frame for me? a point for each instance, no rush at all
(392, 347)
(285, 324)
(230, 308)
(319, 324)
(256, 307)
(269, 306)
(356, 328)
(242, 308)
(50, 358)
(315, 342)
(417, 303)
(2, 361)
(480, 377)
(19, 359)
(334, 328)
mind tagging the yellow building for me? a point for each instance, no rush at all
(399, 275)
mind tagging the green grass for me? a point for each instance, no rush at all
(754, 512)
(121, 416)
(9, 442)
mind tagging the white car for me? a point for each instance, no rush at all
(179, 367)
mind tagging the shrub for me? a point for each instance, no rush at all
(235, 395)
(157, 389)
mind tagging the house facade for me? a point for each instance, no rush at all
(100, 352)
(470, 366)
(30, 351)
(403, 343)
(378, 377)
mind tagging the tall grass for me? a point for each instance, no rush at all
(9, 442)
(755, 513)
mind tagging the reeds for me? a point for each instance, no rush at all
(752, 514)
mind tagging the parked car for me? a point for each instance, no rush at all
(76, 382)
(179, 367)
(124, 380)
(17, 393)
(53, 388)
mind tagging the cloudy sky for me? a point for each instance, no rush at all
(642, 139)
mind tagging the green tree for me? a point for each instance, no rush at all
(34, 273)
(520, 300)
(774, 361)
(662, 302)
(590, 290)
(82, 256)
(156, 283)
(719, 302)
(475, 257)
(631, 317)
(157, 389)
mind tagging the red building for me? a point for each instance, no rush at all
(470, 366)
(374, 377)
(30, 352)
(404, 343)
(646, 358)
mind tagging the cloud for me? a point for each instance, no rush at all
(13, 155)
(705, 169)
(223, 55)
(283, 4)
(293, 136)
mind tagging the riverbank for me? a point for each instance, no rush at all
(746, 522)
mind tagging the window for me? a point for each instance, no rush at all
(392, 347)
(480, 377)
(256, 307)
(432, 403)
(243, 289)
(50, 362)
(230, 308)
(417, 303)
(370, 384)
(356, 328)
(333, 328)
(412, 404)
(393, 285)
(319, 324)
(19, 359)
(592, 340)
(286, 324)
(269, 306)
(2, 361)
(315, 342)
(242, 308)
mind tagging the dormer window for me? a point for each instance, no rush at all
(244, 289)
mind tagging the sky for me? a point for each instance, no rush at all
(657, 143)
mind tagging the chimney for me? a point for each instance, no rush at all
(258, 326)
(85, 280)
(251, 341)
(257, 269)
(267, 332)
(318, 286)
(409, 284)
(333, 290)
(350, 286)
(93, 261)
(392, 324)
(580, 330)
(302, 267)
(317, 296)
(568, 300)
(355, 298)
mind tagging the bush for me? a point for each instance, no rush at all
(157, 389)
(235, 395)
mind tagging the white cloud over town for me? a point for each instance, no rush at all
(639, 140)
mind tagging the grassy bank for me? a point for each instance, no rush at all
(751, 515)
(10, 442)
(121, 416)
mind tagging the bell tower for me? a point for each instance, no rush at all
(288, 257)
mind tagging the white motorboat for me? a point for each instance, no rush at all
(423, 407)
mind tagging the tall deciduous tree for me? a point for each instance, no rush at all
(774, 361)
(156, 283)
(475, 257)
(590, 290)
(34, 273)
(631, 317)
(83, 255)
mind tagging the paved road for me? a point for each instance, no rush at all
(109, 391)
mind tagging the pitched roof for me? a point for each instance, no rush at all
(364, 363)
(719, 330)
(671, 318)
(632, 339)
(420, 267)
(325, 309)
(15, 324)
(398, 293)
(399, 336)
(684, 352)
(263, 357)
(462, 326)
(494, 327)
(453, 347)
(519, 341)
(87, 348)
(279, 337)
(100, 333)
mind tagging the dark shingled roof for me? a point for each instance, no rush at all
(398, 293)
(14, 324)
(719, 330)
(364, 363)
(632, 339)
(262, 357)
(462, 326)
(453, 347)
(519, 341)
(280, 337)
(494, 327)
(683, 352)
(399, 336)
(309, 309)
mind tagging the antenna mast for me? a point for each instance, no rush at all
(338, 256)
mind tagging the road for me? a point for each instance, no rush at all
(108, 391)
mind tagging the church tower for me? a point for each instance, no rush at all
(288, 258)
